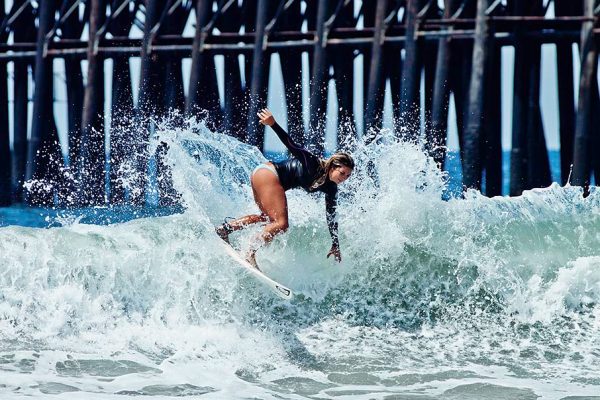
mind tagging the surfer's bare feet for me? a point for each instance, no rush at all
(223, 231)
(251, 258)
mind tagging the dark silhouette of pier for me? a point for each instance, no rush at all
(455, 49)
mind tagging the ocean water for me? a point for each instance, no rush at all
(472, 298)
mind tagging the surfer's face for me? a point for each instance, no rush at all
(339, 174)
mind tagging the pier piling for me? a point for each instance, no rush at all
(44, 157)
(5, 154)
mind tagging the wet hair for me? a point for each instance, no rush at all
(339, 159)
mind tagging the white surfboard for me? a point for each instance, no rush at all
(276, 287)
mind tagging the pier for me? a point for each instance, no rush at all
(426, 51)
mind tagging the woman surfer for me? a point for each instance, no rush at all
(271, 180)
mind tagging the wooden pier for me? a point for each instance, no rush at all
(426, 50)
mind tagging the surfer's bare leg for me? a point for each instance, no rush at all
(227, 228)
(270, 199)
(251, 219)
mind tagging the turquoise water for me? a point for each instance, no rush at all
(49, 218)
(472, 298)
(453, 166)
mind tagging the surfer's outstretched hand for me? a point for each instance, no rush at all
(265, 117)
(335, 251)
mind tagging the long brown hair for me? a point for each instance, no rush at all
(339, 159)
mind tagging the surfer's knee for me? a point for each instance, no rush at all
(282, 225)
(277, 226)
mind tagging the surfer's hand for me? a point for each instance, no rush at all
(335, 251)
(265, 117)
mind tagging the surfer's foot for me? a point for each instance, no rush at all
(223, 231)
(251, 258)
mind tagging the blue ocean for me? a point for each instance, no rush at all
(438, 296)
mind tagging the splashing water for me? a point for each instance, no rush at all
(462, 299)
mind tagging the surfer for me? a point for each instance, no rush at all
(271, 180)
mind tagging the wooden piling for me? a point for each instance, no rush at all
(121, 146)
(152, 77)
(318, 83)
(472, 167)
(436, 129)
(5, 154)
(174, 102)
(368, 14)
(150, 97)
(374, 107)
(259, 83)
(248, 22)
(393, 68)
(24, 32)
(92, 163)
(518, 177)
(203, 97)
(583, 121)
(538, 164)
(492, 127)
(460, 75)
(172, 23)
(72, 29)
(529, 158)
(234, 118)
(343, 74)
(44, 157)
(203, 11)
(411, 72)
(431, 13)
(566, 100)
(595, 128)
(291, 69)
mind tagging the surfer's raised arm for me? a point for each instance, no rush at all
(266, 118)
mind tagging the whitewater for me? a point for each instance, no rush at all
(467, 298)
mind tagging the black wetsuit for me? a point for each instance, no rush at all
(301, 171)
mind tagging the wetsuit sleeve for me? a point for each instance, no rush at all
(330, 209)
(300, 153)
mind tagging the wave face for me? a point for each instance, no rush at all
(466, 298)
